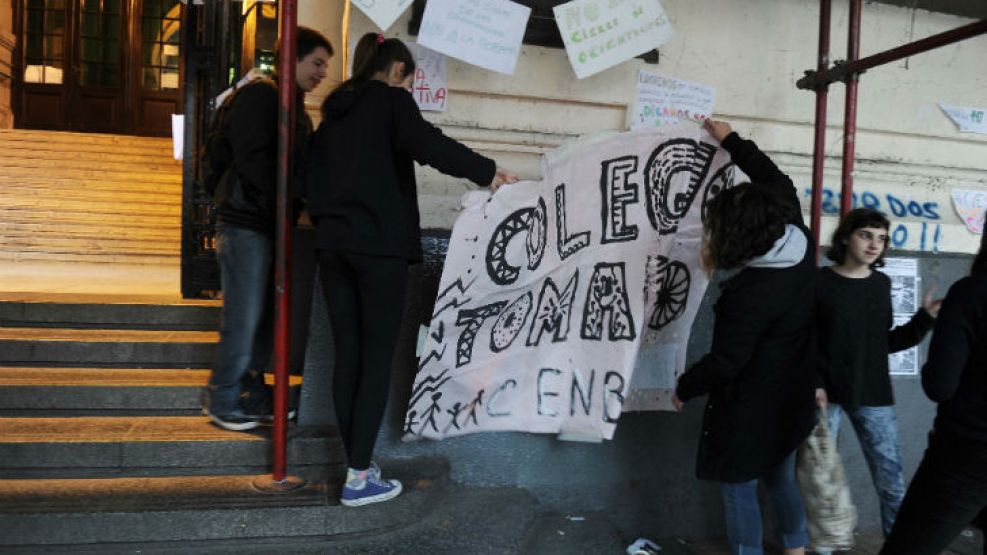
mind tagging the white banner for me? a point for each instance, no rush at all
(429, 89)
(663, 100)
(599, 34)
(382, 12)
(970, 205)
(485, 33)
(550, 287)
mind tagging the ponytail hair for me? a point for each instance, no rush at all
(375, 54)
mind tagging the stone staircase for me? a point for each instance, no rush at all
(71, 197)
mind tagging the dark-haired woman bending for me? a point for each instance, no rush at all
(759, 372)
(363, 200)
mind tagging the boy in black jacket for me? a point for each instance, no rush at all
(854, 318)
(246, 201)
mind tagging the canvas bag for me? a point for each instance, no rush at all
(831, 513)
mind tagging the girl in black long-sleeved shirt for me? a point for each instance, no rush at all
(363, 200)
(950, 487)
(853, 318)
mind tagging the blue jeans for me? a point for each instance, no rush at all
(743, 513)
(877, 430)
(246, 266)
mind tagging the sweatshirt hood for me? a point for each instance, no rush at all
(342, 100)
(786, 252)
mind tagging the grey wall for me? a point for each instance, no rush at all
(644, 478)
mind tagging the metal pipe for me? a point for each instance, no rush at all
(282, 249)
(819, 144)
(840, 72)
(850, 109)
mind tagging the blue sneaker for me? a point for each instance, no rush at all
(373, 490)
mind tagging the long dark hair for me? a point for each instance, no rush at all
(375, 54)
(742, 222)
(980, 261)
(853, 220)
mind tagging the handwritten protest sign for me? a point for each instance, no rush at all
(382, 12)
(485, 33)
(969, 120)
(663, 100)
(970, 205)
(550, 288)
(429, 87)
(599, 34)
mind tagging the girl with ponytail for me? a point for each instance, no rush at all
(364, 204)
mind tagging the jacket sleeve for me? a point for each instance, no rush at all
(740, 321)
(955, 332)
(908, 335)
(429, 146)
(253, 133)
(762, 171)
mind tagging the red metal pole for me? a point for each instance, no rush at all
(850, 112)
(840, 72)
(282, 258)
(819, 144)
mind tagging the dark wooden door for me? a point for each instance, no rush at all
(159, 72)
(108, 66)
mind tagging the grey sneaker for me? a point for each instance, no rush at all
(235, 421)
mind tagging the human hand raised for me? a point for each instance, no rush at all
(930, 303)
(718, 129)
(502, 177)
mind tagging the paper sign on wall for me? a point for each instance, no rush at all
(905, 293)
(663, 100)
(599, 34)
(485, 33)
(550, 289)
(970, 205)
(382, 12)
(969, 120)
(429, 87)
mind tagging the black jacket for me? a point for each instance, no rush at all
(955, 374)
(759, 373)
(247, 196)
(361, 175)
(854, 320)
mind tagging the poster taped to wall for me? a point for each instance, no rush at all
(904, 284)
(383, 12)
(485, 33)
(429, 87)
(599, 34)
(663, 100)
(903, 363)
(969, 120)
(550, 289)
(970, 205)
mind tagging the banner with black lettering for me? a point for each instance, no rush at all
(550, 289)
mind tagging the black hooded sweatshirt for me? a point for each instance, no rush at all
(361, 176)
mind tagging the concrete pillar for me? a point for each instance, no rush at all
(7, 41)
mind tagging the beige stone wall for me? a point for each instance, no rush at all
(7, 42)
(752, 52)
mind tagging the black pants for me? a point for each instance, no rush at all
(365, 297)
(948, 492)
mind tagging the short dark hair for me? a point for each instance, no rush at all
(742, 223)
(855, 219)
(306, 41)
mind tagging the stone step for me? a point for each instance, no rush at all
(26, 391)
(76, 514)
(109, 311)
(33, 150)
(110, 348)
(117, 446)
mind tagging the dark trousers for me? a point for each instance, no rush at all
(365, 298)
(948, 492)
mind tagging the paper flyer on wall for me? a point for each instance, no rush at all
(970, 205)
(663, 100)
(904, 285)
